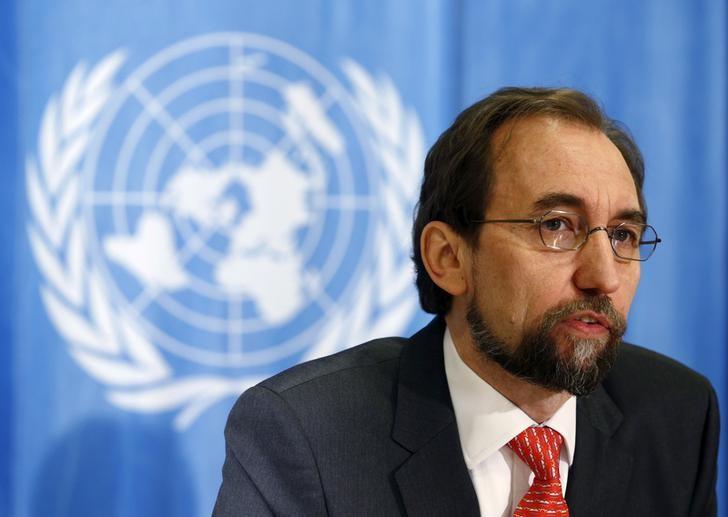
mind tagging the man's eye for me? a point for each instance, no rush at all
(556, 225)
(626, 236)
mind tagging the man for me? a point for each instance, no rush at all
(519, 398)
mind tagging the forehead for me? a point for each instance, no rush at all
(538, 156)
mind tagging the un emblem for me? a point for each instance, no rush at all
(226, 209)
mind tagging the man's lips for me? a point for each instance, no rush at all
(588, 323)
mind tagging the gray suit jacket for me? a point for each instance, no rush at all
(371, 431)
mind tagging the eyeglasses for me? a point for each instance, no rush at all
(569, 231)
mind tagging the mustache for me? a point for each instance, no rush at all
(600, 304)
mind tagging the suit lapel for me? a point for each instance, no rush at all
(599, 476)
(434, 480)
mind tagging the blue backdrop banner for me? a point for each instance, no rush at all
(197, 196)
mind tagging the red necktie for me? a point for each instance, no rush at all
(539, 448)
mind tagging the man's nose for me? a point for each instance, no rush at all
(597, 264)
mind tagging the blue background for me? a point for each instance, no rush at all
(659, 66)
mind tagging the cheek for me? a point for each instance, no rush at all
(628, 289)
(549, 286)
(514, 289)
(496, 285)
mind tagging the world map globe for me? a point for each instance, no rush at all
(260, 229)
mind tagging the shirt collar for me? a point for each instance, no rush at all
(486, 419)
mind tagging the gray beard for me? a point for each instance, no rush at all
(578, 368)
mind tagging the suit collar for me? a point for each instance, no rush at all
(424, 407)
(434, 480)
(599, 476)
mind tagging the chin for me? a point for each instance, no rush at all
(584, 352)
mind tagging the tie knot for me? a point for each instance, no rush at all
(539, 448)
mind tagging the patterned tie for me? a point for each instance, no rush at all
(539, 448)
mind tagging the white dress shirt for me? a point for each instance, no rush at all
(487, 421)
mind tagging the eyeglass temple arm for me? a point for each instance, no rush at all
(656, 241)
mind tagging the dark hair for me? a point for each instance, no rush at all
(458, 168)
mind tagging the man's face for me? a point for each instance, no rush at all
(553, 317)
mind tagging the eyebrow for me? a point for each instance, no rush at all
(635, 216)
(556, 199)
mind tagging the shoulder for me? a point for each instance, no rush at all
(647, 367)
(360, 379)
(643, 378)
(354, 389)
(368, 358)
(669, 426)
(298, 436)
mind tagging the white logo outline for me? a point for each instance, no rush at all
(104, 340)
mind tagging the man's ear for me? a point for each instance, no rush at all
(445, 256)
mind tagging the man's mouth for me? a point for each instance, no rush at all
(587, 324)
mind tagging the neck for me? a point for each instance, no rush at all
(537, 402)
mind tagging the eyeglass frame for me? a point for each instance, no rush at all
(610, 232)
